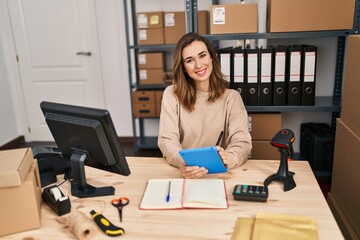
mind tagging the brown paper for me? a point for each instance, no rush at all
(271, 226)
(281, 226)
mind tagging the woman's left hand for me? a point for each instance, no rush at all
(224, 156)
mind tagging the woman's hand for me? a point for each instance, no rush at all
(224, 157)
(193, 171)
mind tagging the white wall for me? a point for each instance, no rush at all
(113, 54)
(10, 104)
(7, 115)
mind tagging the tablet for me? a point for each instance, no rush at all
(207, 157)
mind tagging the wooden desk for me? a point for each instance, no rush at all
(305, 199)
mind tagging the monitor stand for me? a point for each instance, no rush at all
(79, 187)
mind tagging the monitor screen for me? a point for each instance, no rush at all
(85, 136)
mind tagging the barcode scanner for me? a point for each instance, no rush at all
(283, 140)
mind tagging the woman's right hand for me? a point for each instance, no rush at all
(193, 171)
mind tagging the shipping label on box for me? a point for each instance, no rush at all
(218, 15)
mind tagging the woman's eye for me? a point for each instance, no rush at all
(202, 55)
(189, 61)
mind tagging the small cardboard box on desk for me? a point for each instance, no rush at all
(20, 191)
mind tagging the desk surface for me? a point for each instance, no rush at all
(305, 199)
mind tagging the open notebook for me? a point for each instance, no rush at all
(184, 193)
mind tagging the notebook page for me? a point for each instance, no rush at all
(204, 193)
(156, 192)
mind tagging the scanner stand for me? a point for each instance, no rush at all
(79, 187)
(283, 174)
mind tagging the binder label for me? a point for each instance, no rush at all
(280, 67)
(239, 67)
(252, 68)
(295, 62)
(309, 70)
(225, 65)
(266, 67)
(142, 21)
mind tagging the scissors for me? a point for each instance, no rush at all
(119, 203)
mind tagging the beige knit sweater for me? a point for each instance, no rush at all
(180, 129)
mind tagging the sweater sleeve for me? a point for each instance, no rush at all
(238, 139)
(169, 132)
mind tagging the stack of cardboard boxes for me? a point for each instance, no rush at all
(345, 194)
(147, 103)
(150, 28)
(151, 68)
(263, 127)
(20, 191)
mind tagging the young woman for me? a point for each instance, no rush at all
(198, 106)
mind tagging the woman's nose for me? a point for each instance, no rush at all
(198, 63)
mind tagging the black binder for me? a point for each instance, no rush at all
(239, 71)
(252, 77)
(308, 80)
(279, 91)
(265, 76)
(294, 75)
(226, 62)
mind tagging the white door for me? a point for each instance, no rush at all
(58, 56)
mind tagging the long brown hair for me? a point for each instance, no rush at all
(184, 85)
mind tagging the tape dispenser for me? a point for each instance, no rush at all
(56, 200)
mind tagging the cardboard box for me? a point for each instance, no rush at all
(20, 206)
(144, 110)
(264, 126)
(341, 219)
(263, 150)
(175, 25)
(143, 97)
(150, 20)
(151, 76)
(14, 166)
(151, 60)
(152, 36)
(345, 177)
(203, 22)
(233, 18)
(350, 110)
(310, 15)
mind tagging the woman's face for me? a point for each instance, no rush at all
(198, 64)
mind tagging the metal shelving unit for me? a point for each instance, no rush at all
(323, 104)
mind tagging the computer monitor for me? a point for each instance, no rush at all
(85, 136)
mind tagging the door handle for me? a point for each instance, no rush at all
(84, 53)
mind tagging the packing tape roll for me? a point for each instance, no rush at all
(55, 192)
